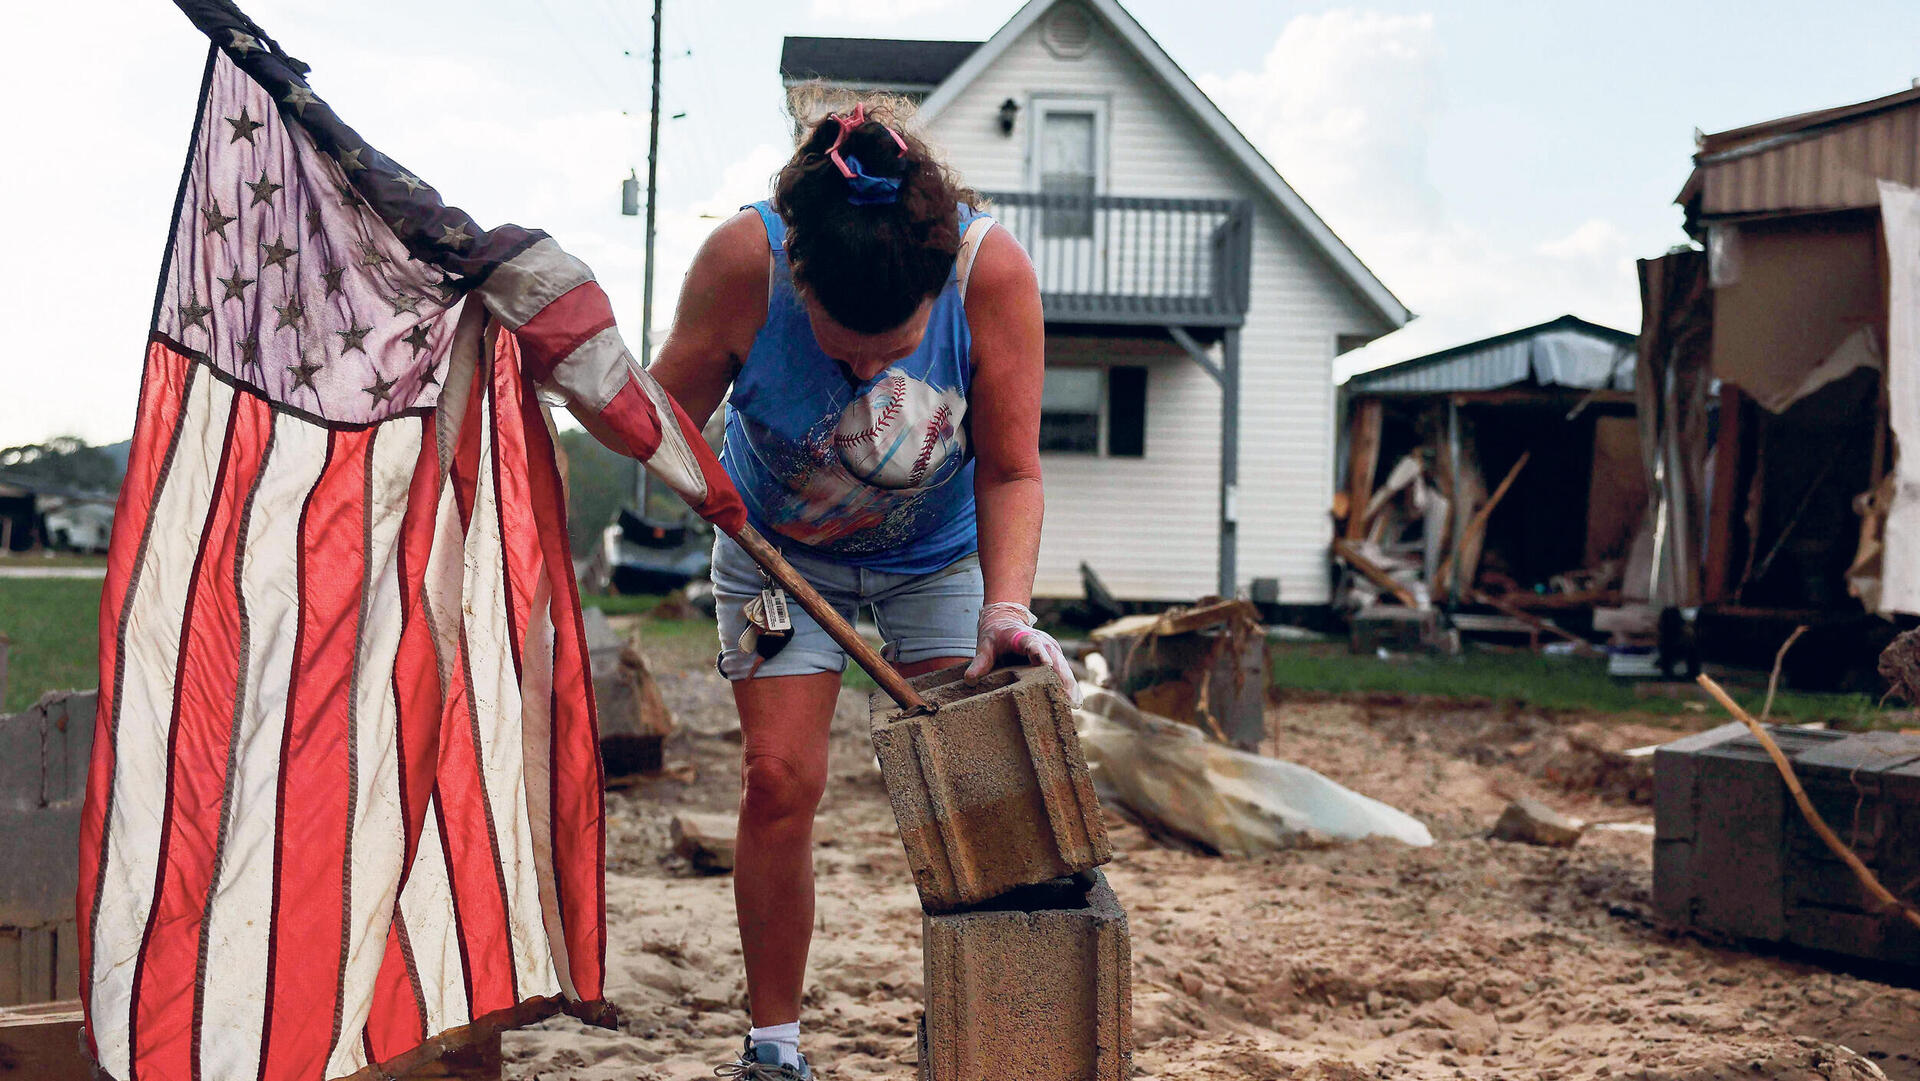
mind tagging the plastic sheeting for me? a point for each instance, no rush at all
(1237, 804)
(1900, 216)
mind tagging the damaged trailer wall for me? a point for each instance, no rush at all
(1671, 378)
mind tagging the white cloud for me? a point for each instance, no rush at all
(879, 11)
(1347, 105)
(1344, 105)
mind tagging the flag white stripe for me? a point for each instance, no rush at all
(504, 744)
(145, 712)
(378, 840)
(240, 918)
(427, 906)
(536, 690)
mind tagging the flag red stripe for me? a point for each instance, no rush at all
(722, 506)
(397, 1020)
(561, 327)
(311, 838)
(163, 389)
(416, 669)
(206, 681)
(631, 415)
(578, 812)
(519, 544)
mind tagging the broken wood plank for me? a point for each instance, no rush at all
(1478, 523)
(1349, 552)
(1363, 458)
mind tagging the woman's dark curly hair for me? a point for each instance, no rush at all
(869, 266)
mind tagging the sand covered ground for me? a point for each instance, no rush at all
(1469, 959)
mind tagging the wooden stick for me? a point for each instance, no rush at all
(842, 632)
(1780, 658)
(1350, 552)
(1860, 870)
(1478, 524)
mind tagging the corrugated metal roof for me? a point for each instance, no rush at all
(1820, 161)
(1567, 352)
(882, 62)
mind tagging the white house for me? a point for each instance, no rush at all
(1179, 274)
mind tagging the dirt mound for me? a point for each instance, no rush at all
(1469, 959)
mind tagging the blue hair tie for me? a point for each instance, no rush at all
(866, 190)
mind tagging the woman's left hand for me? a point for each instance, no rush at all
(1008, 628)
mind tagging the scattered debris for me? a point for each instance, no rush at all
(634, 722)
(704, 840)
(1900, 666)
(1528, 821)
(1204, 665)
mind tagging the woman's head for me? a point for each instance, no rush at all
(872, 230)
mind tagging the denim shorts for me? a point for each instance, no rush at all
(921, 616)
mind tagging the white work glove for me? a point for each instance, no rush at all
(1007, 628)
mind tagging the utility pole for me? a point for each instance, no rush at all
(653, 192)
(653, 198)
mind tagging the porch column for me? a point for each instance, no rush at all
(1227, 375)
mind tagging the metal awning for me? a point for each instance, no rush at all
(1567, 352)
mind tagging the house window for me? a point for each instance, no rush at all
(1099, 411)
(1068, 170)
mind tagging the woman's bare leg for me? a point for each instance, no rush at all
(784, 722)
(783, 770)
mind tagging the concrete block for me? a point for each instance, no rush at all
(40, 850)
(44, 751)
(42, 1043)
(39, 964)
(1035, 985)
(1732, 854)
(991, 791)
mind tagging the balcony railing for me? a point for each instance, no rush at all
(1134, 259)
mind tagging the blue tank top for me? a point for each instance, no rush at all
(876, 474)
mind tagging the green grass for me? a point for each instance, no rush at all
(1560, 683)
(51, 622)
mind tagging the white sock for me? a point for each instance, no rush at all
(785, 1037)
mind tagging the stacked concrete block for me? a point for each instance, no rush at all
(43, 781)
(1734, 855)
(990, 791)
(1035, 985)
(1028, 961)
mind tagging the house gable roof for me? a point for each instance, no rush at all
(872, 62)
(1564, 352)
(1182, 87)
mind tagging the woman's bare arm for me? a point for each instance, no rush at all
(723, 304)
(1009, 366)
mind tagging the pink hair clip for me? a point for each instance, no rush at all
(847, 124)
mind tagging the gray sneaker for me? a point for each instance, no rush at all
(761, 1062)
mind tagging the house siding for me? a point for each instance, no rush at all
(1149, 526)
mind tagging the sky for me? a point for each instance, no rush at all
(1495, 164)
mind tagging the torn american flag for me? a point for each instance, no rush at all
(344, 808)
